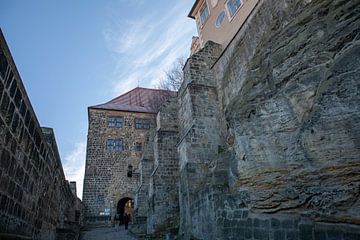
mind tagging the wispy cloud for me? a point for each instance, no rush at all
(74, 166)
(148, 47)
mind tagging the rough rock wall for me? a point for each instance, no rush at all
(288, 87)
(36, 200)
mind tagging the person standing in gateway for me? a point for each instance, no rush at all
(126, 220)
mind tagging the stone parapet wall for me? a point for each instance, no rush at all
(35, 198)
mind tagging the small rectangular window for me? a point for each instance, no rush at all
(115, 122)
(100, 199)
(146, 123)
(114, 145)
(233, 6)
(118, 122)
(118, 145)
(204, 13)
(138, 147)
(109, 144)
(111, 121)
(138, 123)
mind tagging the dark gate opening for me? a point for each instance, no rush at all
(125, 205)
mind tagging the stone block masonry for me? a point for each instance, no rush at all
(269, 128)
(146, 167)
(163, 217)
(36, 201)
(106, 180)
(288, 90)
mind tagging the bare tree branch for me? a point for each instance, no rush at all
(174, 76)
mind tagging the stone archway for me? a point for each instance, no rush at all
(125, 205)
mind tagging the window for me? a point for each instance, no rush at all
(130, 171)
(146, 123)
(118, 145)
(233, 6)
(142, 123)
(114, 144)
(204, 13)
(109, 144)
(111, 121)
(220, 19)
(100, 199)
(115, 122)
(138, 123)
(138, 147)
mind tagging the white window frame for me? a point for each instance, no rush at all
(216, 20)
(237, 10)
(199, 14)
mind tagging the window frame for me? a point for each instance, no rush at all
(114, 145)
(236, 11)
(115, 121)
(137, 144)
(111, 121)
(142, 123)
(217, 18)
(204, 6)
(138, 121)
(146, 123)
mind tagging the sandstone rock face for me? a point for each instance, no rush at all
(295, 117)
(287, 166)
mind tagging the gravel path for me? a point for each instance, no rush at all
(107, 233)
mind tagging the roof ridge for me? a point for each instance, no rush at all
(137, 97)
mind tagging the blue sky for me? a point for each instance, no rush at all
(74, 54)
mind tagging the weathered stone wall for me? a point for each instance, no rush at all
(35, 199)
(145, 168)
(199, 134)
(288, 87)
(163, 217)
(106, 180)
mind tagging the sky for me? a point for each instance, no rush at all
(74, 54)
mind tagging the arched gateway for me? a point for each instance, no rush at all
(125, 205)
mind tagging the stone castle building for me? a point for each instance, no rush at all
(117, 132)
(260, 142)
(36, 202)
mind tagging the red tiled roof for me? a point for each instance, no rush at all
(138, 100)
